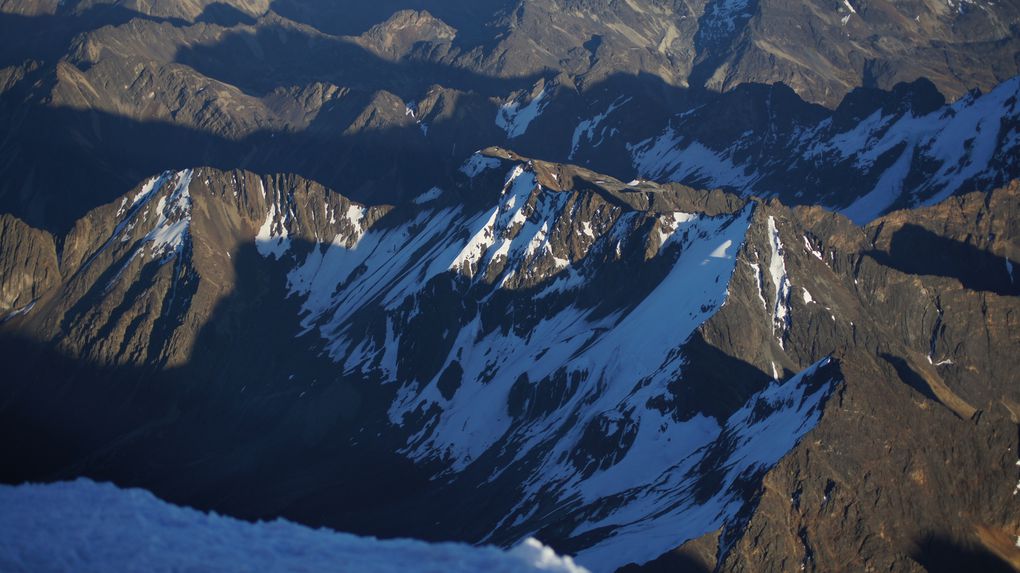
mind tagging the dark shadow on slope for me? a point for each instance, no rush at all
(223, 14)
(47, 37)
(61, 163)
(275, 56)
(918, 251)
(943, 554)
(257, 426)
(909, 377)
(713, 383)
(919, 97)
(72, 160)
(56, 163)
(672, 562)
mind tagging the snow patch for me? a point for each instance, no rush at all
(907, 159)
(355, 215)
(478, 163)
(1016, 490)
(811, 249)
(428, 196)
(885, 193)
(668, 225)
(652, 523)
(780, 281)
(759, 283)
(671, 157)
(19, 312)
(720, 251)
(273, 238)
(168, 237)
(143, 193)
(722, 17)
(514, 117)
(586, 129)
(617, 359)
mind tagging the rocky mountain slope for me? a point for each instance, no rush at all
(875, 153)
(718, 44)
(251, 260)
(383, 101)
(633, 373)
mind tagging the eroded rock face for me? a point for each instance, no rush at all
(537, 349)
(29, 259)
(144, 274)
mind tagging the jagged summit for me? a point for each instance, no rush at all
(403, 30)
(639, 194)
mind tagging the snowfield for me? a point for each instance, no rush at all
(84, 526)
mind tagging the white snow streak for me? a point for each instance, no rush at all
(586, 129)
(478, 163)
(780, 281)
(514, 117)
(273, 238)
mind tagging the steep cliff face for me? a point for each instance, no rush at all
(29, 259)
(537, 349)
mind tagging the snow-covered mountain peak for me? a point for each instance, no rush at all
(591, 361)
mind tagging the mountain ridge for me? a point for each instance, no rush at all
(789, 304)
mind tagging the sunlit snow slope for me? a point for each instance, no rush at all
(533, 339)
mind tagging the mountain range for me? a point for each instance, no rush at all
(669, 286)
